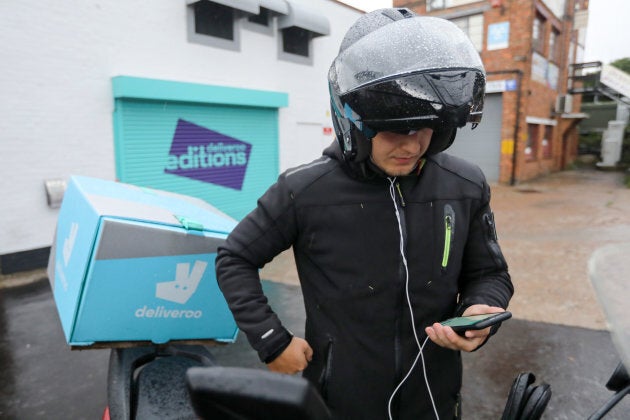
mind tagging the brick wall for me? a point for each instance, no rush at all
(537, 99)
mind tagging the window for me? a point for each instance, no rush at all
(571, 58)
(538, 33)
(297, 30)
(553, 75)
(547, 142)
(213, 23)
(531, 145)
(553, 45)
(214, 20)
(218, 23)
(473, 27)
(262, 18)
(557, 7)
(296, 41)
(445, 4)
(437, 4)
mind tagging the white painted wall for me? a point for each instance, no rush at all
(56, 103)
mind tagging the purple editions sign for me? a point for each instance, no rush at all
(208, 156)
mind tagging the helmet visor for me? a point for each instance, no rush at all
(419, 100)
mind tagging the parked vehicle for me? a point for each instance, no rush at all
(185, 381)
(149, 382)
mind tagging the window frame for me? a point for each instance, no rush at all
(443, 4)
(547, 149)
(447, 4)
(210, 40)
(538, 25)
(477, 43)
(554, 43)
(292, 57)
(267, 29)
(265, 14)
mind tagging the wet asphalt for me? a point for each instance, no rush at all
(42, 378)
(548, 229)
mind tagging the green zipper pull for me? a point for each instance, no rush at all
(448, 232)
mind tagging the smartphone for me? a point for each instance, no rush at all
(475, 322)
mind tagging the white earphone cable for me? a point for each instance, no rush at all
(392, 193)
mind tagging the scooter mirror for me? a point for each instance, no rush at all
(239, 393)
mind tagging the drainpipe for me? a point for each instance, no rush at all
(519, 74)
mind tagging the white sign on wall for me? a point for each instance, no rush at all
(498, 35)
(494, 86)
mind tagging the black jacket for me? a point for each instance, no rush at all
(345, 233)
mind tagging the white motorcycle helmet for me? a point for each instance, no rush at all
(398, 71)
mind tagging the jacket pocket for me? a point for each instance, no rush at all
(324, 377)
(449, 231)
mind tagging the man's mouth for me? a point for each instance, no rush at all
(404, 159)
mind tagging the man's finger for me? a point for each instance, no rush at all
(308, 352)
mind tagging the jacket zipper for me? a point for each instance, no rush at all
(400, 200)
(449, 227)
(400, 195)
(324, 378)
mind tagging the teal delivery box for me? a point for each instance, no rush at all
(131, 264)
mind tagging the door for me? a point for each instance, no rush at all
(482, 146)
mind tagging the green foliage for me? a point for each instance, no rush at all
(622, 64)
(625, 147)
(590, 142)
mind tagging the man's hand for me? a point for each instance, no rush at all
(444, 336)
(293, 359)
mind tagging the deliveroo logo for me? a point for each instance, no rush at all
(208, 156)
(185, 284)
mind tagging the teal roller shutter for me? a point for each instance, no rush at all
(224, 154)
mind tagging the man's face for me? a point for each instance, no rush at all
(397, 154)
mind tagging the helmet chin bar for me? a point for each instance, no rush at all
(343, 133)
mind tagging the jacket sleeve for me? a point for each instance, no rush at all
(268, 230)
(484, 278)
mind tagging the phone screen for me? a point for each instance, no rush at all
(464, 321)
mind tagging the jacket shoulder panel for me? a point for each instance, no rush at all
(460, 168)
(301, 177)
